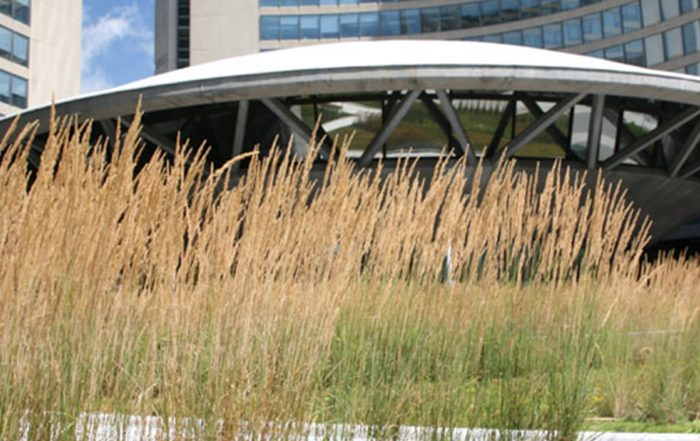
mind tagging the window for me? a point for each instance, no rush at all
(615, 53)
(669, 9)
(688, 5)
(269, 27)
(612, 23)
(4, 87)
(569, 4)
(391, 23)
(592, 29)
(449, 18)
(309, 27)
(532, 37)
(470, 15)
(572, 32)
(13, 89)
(20, 49)
(634, 52)
(673, 41)
(651, 13)
(430, 19)
(654, 50)
(17, 9)
(349, 25)
(490, 13)
(289, 27)
(410, 21)
(550, 6)
(329, 26)
(552, 36)
(530, 8)
(691, 38)
(510, 10)
(515, 37)
(6, 8)
(493, 38)
(631, 17)
(19, 92)
(5, 43)
(369, 24)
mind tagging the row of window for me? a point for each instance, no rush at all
(13, 89)
(549, 6)
(649, 51)
(592, 27)
(17, 9)
(656, 49)
(431, 19)
(14, 46)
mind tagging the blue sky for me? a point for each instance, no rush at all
(117, 42)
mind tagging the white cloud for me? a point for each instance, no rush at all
(121, 27)
(94, 81)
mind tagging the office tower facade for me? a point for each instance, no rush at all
(39, 51)
(661, 34)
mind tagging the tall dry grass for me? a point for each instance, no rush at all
(339, 297)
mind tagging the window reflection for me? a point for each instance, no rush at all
(634, 53)
(13, 89)
(552, 36)
(410, 21)
(592, 29)
(390, 23)
(430, 20)
(573, 34)
(612, 23)
(631, 17)
(532, 37)
(369, 24)
(349, 25)
(329, 26)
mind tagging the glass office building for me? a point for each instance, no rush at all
(663, 34)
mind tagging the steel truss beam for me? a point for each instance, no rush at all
(442, 121)
(457, 128)
(152, 136)
(650, 138)
(398, 113)
(506, 118)
(541, 124)
(553, 130)
(688, 147)
(110, 131)
(296, 125)
(690, 171)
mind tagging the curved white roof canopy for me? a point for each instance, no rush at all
(374, 66)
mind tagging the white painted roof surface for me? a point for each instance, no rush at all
(391, 53)
(410, 59)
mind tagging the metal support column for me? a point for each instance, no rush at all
(595, 130)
